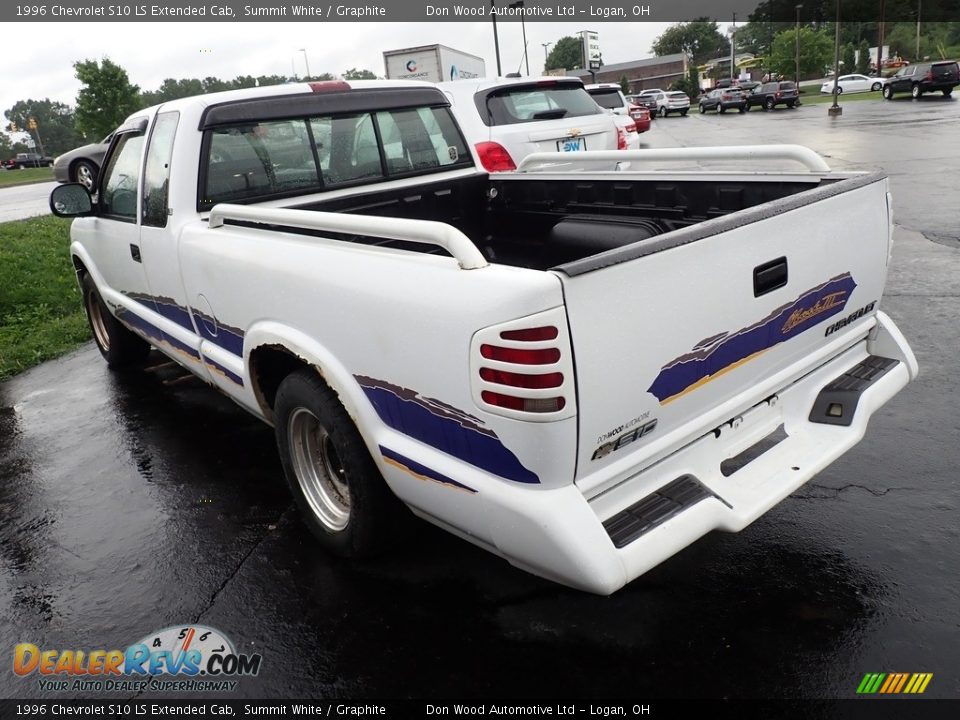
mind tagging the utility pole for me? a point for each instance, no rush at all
(835, 109)
(306, 62)
(796, 78)
(496, 39)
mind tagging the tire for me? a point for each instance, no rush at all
(769, 104)
(839, 90)
(916, 92)
(746, 108)
(663, 111)
(683, 113)
(721, 109)
(887, 92)
(341, 495)
(85, 173)
(119, 346)
(876, 86)
(791, 105)
(702, 109)
(947, 92)
(743, 108)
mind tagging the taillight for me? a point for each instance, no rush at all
(494, 157)
(621, 139)
(777, 94)
(632, 127)
(523, 369)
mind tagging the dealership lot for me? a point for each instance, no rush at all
(142, 500)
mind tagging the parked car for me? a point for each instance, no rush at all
(28, 160)
(723, 99)
(82, 164)
(771, 94)
(853, 84)
(610, 97)
(924, 77)
(667, 102)
(647, 99)
(506, 119)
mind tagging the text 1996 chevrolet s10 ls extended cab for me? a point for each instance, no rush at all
(580, 369)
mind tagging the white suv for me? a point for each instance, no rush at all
(668, 101)
(610, 97)
(506, 119)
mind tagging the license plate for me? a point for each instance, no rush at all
(572, 144)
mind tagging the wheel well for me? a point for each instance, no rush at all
(269, 365)
(79, 267)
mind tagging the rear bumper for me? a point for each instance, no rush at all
(561, 535)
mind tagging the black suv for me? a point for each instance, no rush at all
(771, 94)
(924, 77)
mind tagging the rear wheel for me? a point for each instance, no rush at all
(887, 92)
(876, 86)
(721, 108)
(839, 90)
(947, 92)
(743, 108)
(683, 112)
(341, 494)
(119, 346)
(791, 104)
(916, 91)
(663, 111)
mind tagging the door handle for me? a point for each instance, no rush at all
(770, 276)
(135, 252)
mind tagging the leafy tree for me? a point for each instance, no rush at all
(6, 148)
(816, 52)
(690, 84)
(354, 74)
(699, 39)
(848, 58)
(863, 58)
(106, 98)
(54, 120)
(567, 54)
(624, 84)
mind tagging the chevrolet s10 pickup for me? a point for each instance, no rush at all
(580, 368)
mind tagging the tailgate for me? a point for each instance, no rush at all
(593, 132)
(666, 330)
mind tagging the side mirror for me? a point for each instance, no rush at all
(71, 200)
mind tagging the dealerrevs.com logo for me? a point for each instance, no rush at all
(175, 659)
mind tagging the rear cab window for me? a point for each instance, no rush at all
(522, 103)
(286, 157)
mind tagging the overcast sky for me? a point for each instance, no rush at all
(39, 57)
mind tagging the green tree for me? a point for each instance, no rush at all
(567, 54)
(624, 84)
(816, 52)
(699, 39)
(848, 58)
(105, 99)
(354, 74)
(689, 84)
(863, 58)
(55, 124)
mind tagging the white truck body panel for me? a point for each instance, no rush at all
(671, 329)
(432, 63)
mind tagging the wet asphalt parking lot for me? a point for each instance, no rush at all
(134, 501)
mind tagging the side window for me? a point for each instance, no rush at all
(156, 173)
(421, 139)
(119, 195)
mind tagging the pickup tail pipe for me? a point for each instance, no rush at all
(421, 231)
(797, 153)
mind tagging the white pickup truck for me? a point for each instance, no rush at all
(579, 369)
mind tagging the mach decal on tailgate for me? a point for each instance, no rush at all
(722, 353)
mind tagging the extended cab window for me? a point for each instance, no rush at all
(118, 197)
(156, 174)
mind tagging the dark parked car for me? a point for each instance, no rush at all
(924, 77)
(81, 165)
(771, 94)
(723, 99)
(647, 99)
(28, 160)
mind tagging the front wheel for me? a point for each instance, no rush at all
(663, 112)
(85, 173)
(721, 109)
(702, 109)
(839, 90)
(683, 113)
(768, 105)
(916, 92)
(341, 494)
(876, 86)
(119, 346)
(887, 92)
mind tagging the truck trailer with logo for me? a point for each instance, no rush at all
(432, 63)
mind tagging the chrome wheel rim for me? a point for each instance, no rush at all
(85, 176)
(97, 323)
(319, 470)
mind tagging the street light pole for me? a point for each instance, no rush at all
(496, 38)
(796, 78)
(546, 46)
(519, 5)
(835, 109)
(919, 7)
(306, 62)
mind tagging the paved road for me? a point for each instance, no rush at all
(135, 501)
(25, 201)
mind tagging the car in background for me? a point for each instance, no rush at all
(723, 99)
(506, 119)
(923, 78)
(610, 97)
(853, 84)
(27, 160)
(647, 99)
(771, 94)
(82, 164)
(673, 102)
